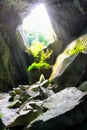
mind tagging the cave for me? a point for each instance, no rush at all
(69, 21)
(58, 101)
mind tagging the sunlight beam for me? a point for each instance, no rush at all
(38, 21)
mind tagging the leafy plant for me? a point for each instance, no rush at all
(36, 48)
(40, 60)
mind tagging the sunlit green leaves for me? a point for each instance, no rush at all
(80, 45)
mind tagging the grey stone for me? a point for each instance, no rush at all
(24, 118)
(64, 15)
(35, 87)
(15, 104)
(12, 93)
(24, 87)
(18, 91)
(42, 78)
(64, 109)
(17, 97)
(68, 70)
(44, 83)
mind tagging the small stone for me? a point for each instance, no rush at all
(17, 97)
(15, 104)
(35, 87)
(12, 93)
(24, 87)
(44, 84)
(42, 78)
(18, 90)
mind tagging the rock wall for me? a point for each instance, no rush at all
(13, 66)
(68, 17)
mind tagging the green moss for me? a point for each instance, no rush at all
(39, 65)
(40, 60)
(80, 46)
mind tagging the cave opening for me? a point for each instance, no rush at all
(36, 28)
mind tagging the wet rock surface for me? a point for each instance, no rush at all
(64, 109)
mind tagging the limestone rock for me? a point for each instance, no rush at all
(44, 83)
(23, 87)
(12, 93)
(42, 78)
(17, 97)
(23, 118)
(64, 109)
(68, 70)
(67, 18)
(15, 104)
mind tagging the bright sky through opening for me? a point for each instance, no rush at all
(38, 21)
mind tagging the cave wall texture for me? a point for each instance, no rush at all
(68, 17)
(69, 20)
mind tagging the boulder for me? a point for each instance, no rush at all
(23, 118)
(15, 104)
(64, 109)
(68, 70)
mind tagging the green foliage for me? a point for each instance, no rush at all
(45, 55)
(40, 60)
(36, 48)
(39, 65)
(80, 46)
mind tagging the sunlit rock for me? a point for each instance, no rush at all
(64, 109)
(68, 72)
(70, 65)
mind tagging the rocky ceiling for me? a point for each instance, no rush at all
(20, 7)
(65, 15)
